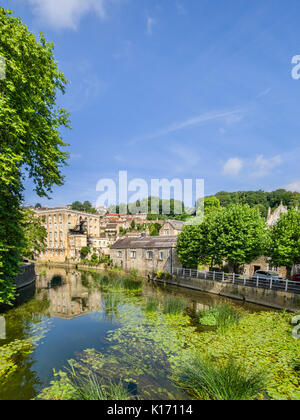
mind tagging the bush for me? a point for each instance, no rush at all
(205, 380)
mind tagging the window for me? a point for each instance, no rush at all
(274, 269)
(149, 255)
(161, 255)
(133, 254)
(119, 254)
(167, 232)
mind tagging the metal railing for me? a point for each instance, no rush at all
(240, 279)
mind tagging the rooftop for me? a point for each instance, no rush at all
(146, 242)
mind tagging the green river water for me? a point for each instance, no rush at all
(67, 312)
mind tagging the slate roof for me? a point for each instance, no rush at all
(147, 242)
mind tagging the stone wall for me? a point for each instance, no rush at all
(164, 259)
(26, 276)
(272, 298)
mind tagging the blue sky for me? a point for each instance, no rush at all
(175, 89)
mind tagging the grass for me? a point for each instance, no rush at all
(90, 388)
(118, 281)
(152, 304)
(205, 380)
(174, 305)
(222, 316)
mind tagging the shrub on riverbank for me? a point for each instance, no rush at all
(206, 380)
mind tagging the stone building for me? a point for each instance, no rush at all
(263, 263)
(171, 228)
(274, 216)
(68, 297)
(69, 231)
(146, 254)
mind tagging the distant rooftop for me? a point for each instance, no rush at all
(146, 242)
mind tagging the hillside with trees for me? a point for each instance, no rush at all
(260, 199)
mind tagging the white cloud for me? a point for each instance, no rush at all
(233, 167)
(294, 186)
(66, 13)
(233, 116)
(150, 23)
(263, 167)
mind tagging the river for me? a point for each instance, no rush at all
(67, 312)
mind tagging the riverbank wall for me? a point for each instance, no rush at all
(26, 276)
(276, 299)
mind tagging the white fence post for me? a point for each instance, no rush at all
(245, 280)
(223, 277)
(286, 285)
(271, 283)
(257, 281)
(214, 276)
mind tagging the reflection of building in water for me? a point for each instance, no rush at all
(69, 298)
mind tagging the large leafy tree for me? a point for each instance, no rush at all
(35, 234)
(284, 245)
(30, 140)
(235, 235)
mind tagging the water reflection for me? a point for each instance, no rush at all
(69, 293)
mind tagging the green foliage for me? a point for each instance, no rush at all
(86, 206)
(90, 388)
(174, 305)
(84, 252)
(154, 229)
(222, 316)
(260, 342)
(284, 243)
(30, 141)
(152, 304)
(236, 235)
(94, 259)
(260, 199)
(9, 355)
(211, 204)
(35, 234)
(206, 380)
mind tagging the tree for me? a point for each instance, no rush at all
(211, 204)
(188, 246)
(35, 235)
(84, 252)
(284, 243)
(235, 235)
(86, 206)
(30, 140)
(132, 224)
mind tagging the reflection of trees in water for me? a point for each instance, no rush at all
(26, 322)
(21, 384)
